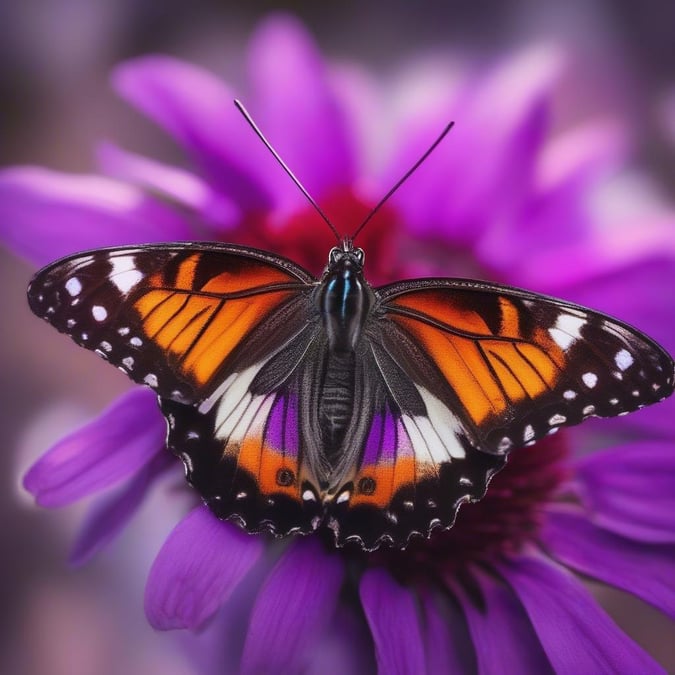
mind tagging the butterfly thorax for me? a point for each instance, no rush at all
(345, 300)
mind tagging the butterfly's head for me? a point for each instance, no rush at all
(345, 256)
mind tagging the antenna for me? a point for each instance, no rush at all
(275, 154)
(403, 179)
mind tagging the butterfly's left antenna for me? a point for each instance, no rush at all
(275, 154)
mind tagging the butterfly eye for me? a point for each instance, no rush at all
(360, 256)
(334, 255)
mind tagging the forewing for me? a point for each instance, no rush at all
(513, 366)
(174, 316)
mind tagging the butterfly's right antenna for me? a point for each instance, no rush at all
(403, 179)
(275, 154)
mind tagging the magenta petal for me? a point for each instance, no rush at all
(197, 109)
(108, 518)
(177, 184)
(391, 611)
(200, 564)
(500, 629)
(45, 214)
(115, 445)
(293, 607)
(298, 109)
(631, 490)
(576, 634)
(647, 571)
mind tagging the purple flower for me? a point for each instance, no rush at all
(501, 198)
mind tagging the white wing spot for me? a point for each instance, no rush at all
(636, 392)
(623, 359)
(150, 379)
(465, 481)
(73, 286)
(588, 410)
(123, 331)
(613, 401)
(99, 313)
(566, 330)
(528, 434)
(241, 495)
(557, 419)
(590, 379)
(128, 362)
(505, 444)
(136, 341)
(84, 336)
(308, 496)
(124, 273)
(70, 323)
(343, 497)
(569, 395)
(105, 346)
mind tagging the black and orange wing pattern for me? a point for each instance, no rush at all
(514, 366)
(173, 317)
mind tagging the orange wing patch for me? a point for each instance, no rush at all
(490, 373)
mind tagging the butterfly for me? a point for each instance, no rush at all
(298, 403)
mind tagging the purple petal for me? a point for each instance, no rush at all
(298, 109)
(186, 188)
(344, 647)
(482, 171)
(391, 611)
(631, 490)
(197, 109)
(294, 606)
(198, 567)
(448, 644)
(115, 445)
(576, 634)
(555, 223)
(500, 629)
(46, 214)
(108, 519)
(647, 571)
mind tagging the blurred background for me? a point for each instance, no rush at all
(55, 57)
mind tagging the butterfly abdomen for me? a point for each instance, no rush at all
(336, 401)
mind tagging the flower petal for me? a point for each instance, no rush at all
(197, 109)
(630, 490)
(448, 644)
(310, 132)
(46, 214)
(483, 171)
(293, 607)
(186, 188)
(576, 634)
(196, 570)
(115, 445)
(107, 519)
(647, 571)
(392, 615)
(500, 628)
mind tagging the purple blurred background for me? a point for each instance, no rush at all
(56, 105)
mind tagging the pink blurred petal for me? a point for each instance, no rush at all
(483, 169)
(184, 187)
(500, 628)
(576, 634)
(45, 215)
(107, 519)
(198, 567)
(197, 109)
(631, 490)
(647, 571)
(112, 447)
(391, 611)
(298, 110)
(293, 607)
